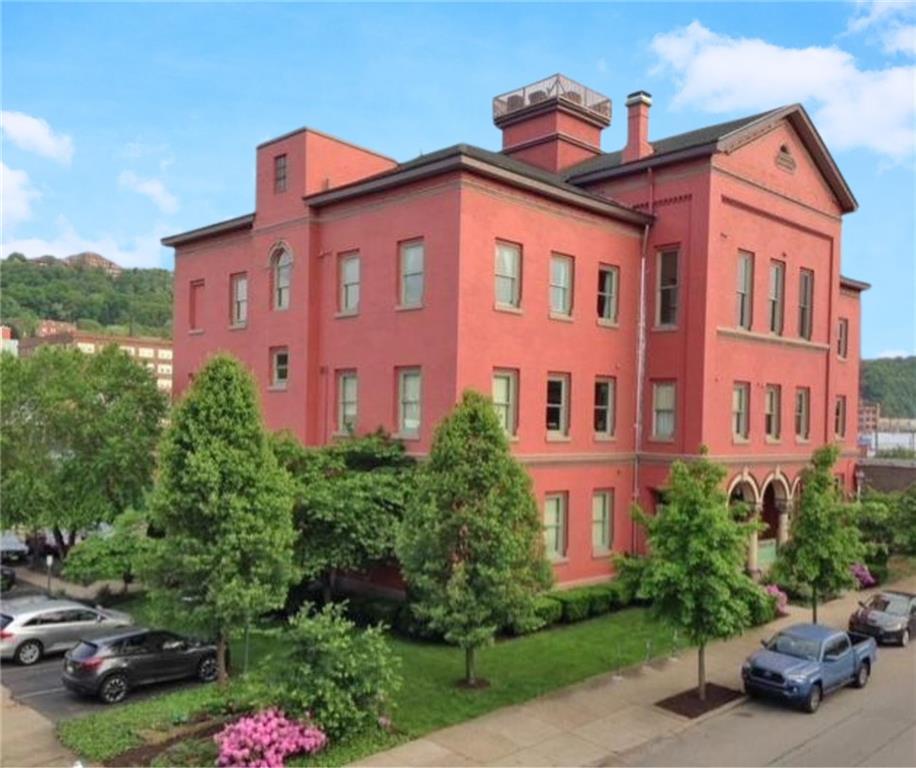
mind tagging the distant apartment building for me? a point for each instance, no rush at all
(623, 309)
(869, 414)
(54, 327)
(154, 353)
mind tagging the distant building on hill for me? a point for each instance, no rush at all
(53, 327)
(155, 354)
(93, 261)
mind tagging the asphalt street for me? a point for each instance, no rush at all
(875, 726)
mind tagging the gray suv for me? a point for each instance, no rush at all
(31, 627)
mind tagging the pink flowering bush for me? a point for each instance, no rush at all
(781, 598)
(265, 740)
(863, 576)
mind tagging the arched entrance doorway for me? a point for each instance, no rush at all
(742, 490)
(773, 514)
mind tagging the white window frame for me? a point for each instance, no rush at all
(281, 276)
(842, 341)
(276, 381)
(777, 297)
(602, 521)
(745, 290)
(556, 527)
(562, 284)
(805, 303)
(506, 410)
(741, 410)
(404, 375)
(512, 277)
(563, 429)
(657, 388)
(672, 288)
(281, 162)
(803, 413)
(195, 296)
(239, 309)
(608, 295)
(404, 251)
(610, 408)
(347, 401)
(839, 416)
(348, 292)
(772, 412)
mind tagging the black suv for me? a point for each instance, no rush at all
(108, 667)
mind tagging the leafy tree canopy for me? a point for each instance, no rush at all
(114, 554)
(891, 382)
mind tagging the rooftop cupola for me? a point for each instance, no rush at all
(553, 123)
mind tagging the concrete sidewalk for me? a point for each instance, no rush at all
(27, 739)
(593, 722)
(89, 593)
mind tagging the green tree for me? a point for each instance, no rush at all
(350, 499)
(824, 541)
(115, 554)
(471, 545)
(223, 505)
(78, 434)
(695, 573)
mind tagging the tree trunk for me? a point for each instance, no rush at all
(222, 671)
(326, 589)
(61, 543)
(814, 604)
(701, 671)
(470, 666)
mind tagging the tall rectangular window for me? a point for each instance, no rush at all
(803, 413)
(349, 283)
(745, 289)
(280, 173)
(561, 284)
(412, 259)
(555, 516)
(605, 407)
(409, 401)
(741, 397)
(842, 338)
(505, 399)
(839, 425)
(805, 302)
(279, 367)
(347, 401)
(667, 301)
(239, 290)
(557, 404)
(195, 304)
(777, 294)
(608, 292)
(773, 411)
(663, 410)
(602, 521)
(508, 275)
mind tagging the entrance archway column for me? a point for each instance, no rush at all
(752, 566)
(785, 515)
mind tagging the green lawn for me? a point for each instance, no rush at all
(517, 669)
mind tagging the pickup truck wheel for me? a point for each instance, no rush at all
(905, 638)
(814, 699)
(862, 675)
(29, 653)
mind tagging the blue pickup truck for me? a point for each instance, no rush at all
(804, 662)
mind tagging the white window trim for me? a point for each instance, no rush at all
(281, 301)
(776, 297)
(342, 378)
(614, 296)
(745, 292)
(804, 436)
(236, 279)
(658, 288)
(275, 382)
(773, 410)
(656, 386)
(562, 525)
(563, 431)
(607, 494)
(403, 275)
(403, 431)
(344, 259)
(840, 415)
(806, 304)
(611, 431)
(516, 302)
(745, 388)
(843, 338)
(511, 426)
(568, 290)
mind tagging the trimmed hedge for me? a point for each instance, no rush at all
(582, 602)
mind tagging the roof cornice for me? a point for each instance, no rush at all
(853, 285)
(220, 228)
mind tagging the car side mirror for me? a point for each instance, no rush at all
(174, 645)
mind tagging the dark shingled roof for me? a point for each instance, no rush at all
(682, 141)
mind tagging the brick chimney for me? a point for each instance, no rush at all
(638, 145)
(553, 124)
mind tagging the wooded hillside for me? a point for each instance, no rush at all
(891, 382)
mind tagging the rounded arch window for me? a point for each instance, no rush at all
(281, 263)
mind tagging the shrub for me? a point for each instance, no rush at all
(630, 570)
(265, 740)
(367, 610)
(863, 576)
(343, 677)
(577, 604)
(547, 609)
(411, 625)
(781, 598)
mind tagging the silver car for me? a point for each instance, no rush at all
(31, 627)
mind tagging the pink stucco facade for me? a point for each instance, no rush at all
(766, 187)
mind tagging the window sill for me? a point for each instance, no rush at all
(603, 323)
(408, 436)
(842, 359)
(803, 440)
(772, 440)
(195, 331)
(407, 307)
(601, 554)
(277, 388)
(558, 560)
(740, 440)
(664, 328)
(238, 326)
(599, 438)
(337, 433)
(558, 438)
(347, 313)
(562, 317)
(512, 438)
(655, 439)
(512, 310)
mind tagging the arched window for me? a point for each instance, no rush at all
(281, 266)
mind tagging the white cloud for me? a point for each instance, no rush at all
(894, 353)
(892, 24)
(854, 108)
(137, 251)
(35, 135)
(901, 39)
(154, 189)
(16, 196)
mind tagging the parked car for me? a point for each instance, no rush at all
(889, 617)
(7, 578)
(109, 667)
(803, 663)
(33, 627)
(12, 548)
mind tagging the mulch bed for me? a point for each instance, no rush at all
(688, 704)
(146, 753)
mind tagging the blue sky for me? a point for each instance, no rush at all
(126, 122)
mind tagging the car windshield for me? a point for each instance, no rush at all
(893, 604)
(84, 651)
(5, 620)
(792, 645)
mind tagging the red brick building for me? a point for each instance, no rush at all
(622, 308)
